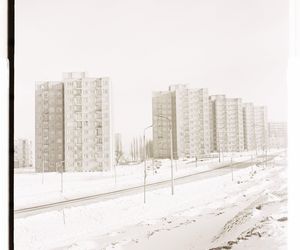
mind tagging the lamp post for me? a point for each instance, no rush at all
(171, 152)
(145, 162)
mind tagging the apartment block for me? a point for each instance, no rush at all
(88, 134)
(49, 126)
(249, 126)
(180, 120)
(199, 126)
(163, 120)
(226, 124)
(187, 111)
(73, 124)
(277, 132)
(261, 127)
(22, 153)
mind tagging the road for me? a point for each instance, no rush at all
(222, 170)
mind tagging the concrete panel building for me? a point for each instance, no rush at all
(49, 126)
(162, 107)
(22, 153)
(277, 132)
(73, 124)
(180, 120)
(218, 135)
(226, 121)
(88, 134)
(188, 113)
(261, 127)
(199, 126)
(249, 126)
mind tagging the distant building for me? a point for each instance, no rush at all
(249, 126)
(277, 132)
(22, 153)
(73, 124)
(261, 127)
(226, 120)
(162, 107)
(186, 111)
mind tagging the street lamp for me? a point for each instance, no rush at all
(145, 162)
(171, 151)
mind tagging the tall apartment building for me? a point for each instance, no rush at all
(162, 120)
(88, 135)
(226, 124)
(187, 111)
(199, 126)
(22, 153)
(261, 127)
(180, 120)
(277, 132)
(249, 126)
(73, 118)
(49, 126)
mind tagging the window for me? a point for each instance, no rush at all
(78, 84)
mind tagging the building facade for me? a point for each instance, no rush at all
(226, 124)
(187, 112)
(261, 127)
(49, 126)
(73, 124)
(22, 153)
(88, 135)
(199, 126)
(277, 132)
(162, 121)
(249, 126)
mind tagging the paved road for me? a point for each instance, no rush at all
(225, 169)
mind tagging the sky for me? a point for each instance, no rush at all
(234, 47)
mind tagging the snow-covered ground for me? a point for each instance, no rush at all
(217, 213)
(29, 190)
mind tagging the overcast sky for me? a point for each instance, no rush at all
(233, 47)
